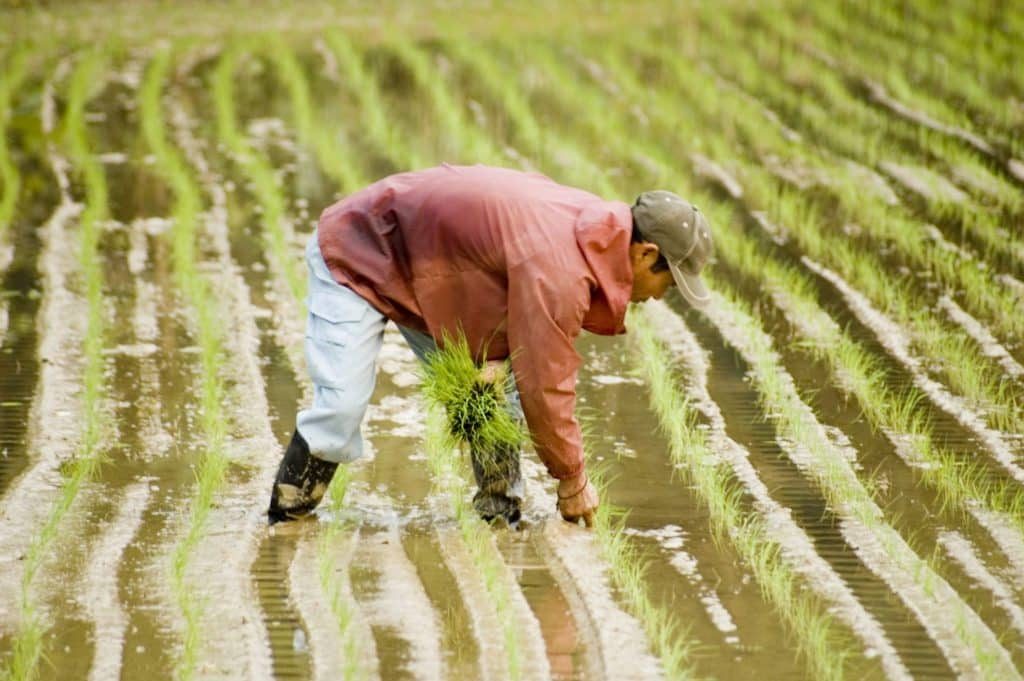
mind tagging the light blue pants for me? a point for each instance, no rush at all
(344, 334)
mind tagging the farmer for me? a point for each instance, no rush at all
(516, 262)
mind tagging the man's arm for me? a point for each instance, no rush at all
(545, 314)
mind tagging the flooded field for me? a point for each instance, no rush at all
(821, 476)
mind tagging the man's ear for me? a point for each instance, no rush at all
(650, 252)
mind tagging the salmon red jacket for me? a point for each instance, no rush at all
(514, 260)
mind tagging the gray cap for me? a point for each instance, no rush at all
(683, 236)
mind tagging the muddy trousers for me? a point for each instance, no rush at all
(344, 335)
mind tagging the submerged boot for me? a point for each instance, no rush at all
(500, 485)
(301, 482)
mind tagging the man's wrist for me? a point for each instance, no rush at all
(571, 487)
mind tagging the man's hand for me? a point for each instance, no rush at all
(577, 498)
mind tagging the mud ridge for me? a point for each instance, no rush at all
(797, 547)
(897, 342)
(101, 593)
(328, 645)
(879, 546)
(624, 651)
(982, 336)
(482, 615)
(401, 604)
(1005, 531)
(962, 551)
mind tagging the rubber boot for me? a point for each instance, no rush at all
(301, 482)
(500, 485)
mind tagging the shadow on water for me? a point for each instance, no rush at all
(458, 642)
(19, 360)
(562, 640)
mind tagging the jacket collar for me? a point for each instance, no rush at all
(602, 234)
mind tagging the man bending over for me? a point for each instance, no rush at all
(514, 261)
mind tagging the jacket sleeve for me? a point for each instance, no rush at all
(545, 314)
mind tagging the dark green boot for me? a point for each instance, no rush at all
(301, 482)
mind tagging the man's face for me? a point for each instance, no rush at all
(647, 284)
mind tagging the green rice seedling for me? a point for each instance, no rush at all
(15, 70)
(473, 404)
(213, 461)
(266, 187)
(327, 142)
(27, 645)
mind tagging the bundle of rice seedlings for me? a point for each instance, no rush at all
(473, 399)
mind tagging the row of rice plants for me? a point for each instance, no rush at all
(467, 142)
(942, 86)
(867, 133)
(576, 97)
(541, 148)
(27, 646)
(974, 64)
(971, 647)
(326, 141)
(373, 115)
(968, 370)
(213, 462)
(265, 183)
(825, 647)
(15, 69)
(782, 589)
(944, 204)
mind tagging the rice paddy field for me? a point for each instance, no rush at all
(819, 477)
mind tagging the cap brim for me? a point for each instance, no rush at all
(691, 286)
